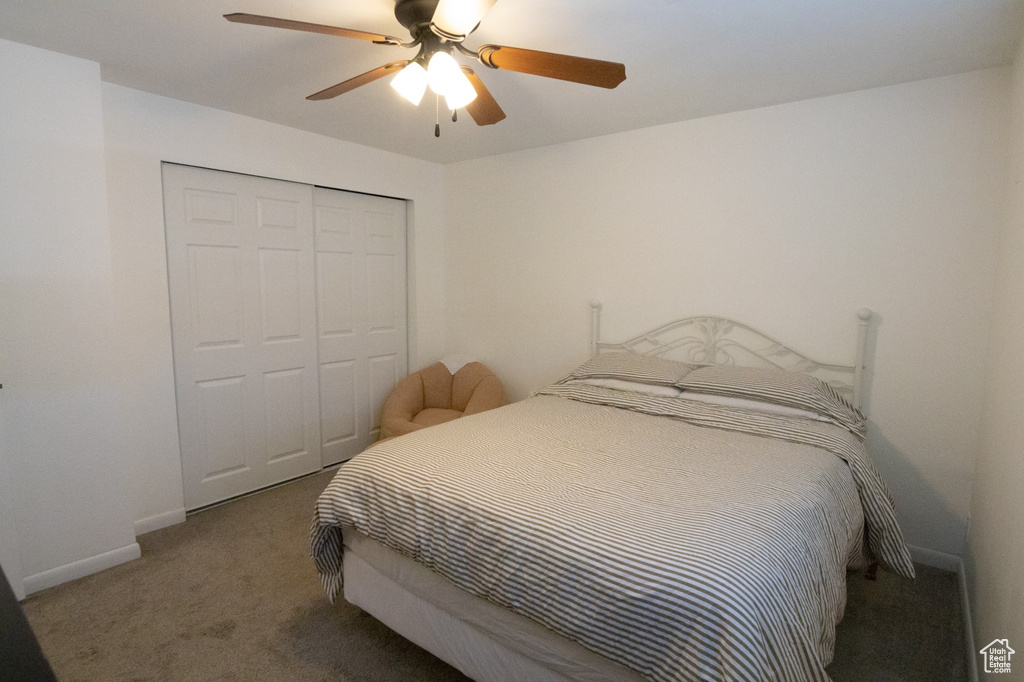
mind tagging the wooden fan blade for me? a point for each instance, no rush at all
(460, 17)
(484, 109)
(551, 65)
(257, 20)
(361, 79)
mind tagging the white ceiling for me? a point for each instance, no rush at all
(684, 59)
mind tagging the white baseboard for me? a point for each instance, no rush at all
(935, 559)
(965, 605)
(954, 564)
(81, 568)
(151, 523)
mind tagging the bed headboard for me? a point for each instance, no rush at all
(720, 341)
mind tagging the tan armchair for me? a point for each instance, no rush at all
(434, 396)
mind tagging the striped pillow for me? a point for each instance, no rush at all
(632, 387)
(778, 386)
(632, 367)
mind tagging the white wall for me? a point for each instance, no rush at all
(141, 131)
(62, 435)
(789, 218)
(995, 546)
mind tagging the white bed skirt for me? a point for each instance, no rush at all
(483, 640)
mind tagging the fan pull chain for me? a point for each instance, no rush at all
(455, 115)
(437, 115)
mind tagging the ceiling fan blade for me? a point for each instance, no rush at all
(361, 79)
(460, 17)
(257, 20)
(484, 109)
(551, 65)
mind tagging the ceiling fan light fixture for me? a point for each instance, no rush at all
(411, 82)
(438, 27)
(447, 79)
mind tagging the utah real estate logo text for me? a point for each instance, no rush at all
(997, 656)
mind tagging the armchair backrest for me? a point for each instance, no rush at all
(437, 386)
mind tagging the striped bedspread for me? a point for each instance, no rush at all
(685, 540)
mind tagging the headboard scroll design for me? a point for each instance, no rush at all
(709, 340)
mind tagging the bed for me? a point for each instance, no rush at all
(683, 506)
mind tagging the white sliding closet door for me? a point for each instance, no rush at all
(361, 296)
(240, 254)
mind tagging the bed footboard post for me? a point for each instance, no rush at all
(863, 319)
(595, 325)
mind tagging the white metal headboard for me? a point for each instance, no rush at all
(711, 340)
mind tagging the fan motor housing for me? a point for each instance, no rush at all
(413, 12)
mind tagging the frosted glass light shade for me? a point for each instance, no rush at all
(460, 16)
(460, 93)
(411, 82)
(446, 79)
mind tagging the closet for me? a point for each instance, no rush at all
(288, 316)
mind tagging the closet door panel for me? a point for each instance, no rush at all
(387, 343)
(361, 279)
(337, 404)
(241, 275)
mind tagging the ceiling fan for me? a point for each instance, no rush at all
(438, 28)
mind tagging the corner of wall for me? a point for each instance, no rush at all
(991, 574)
(63, 430)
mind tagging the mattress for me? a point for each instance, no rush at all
(681, 541)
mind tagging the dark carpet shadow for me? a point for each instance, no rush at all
(900, 629)
(343, 641)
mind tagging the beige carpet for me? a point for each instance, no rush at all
(231, 594)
